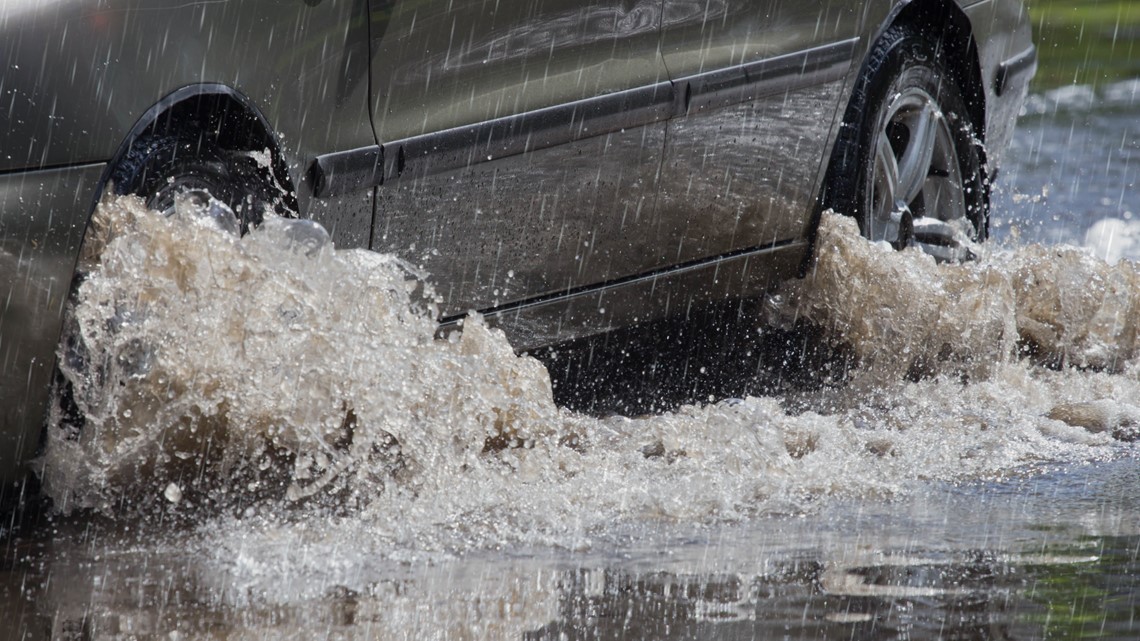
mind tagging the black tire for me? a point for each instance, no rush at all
(159, 166)
(904, 94)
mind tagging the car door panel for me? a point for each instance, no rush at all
(441, 64)
(526, 225)
(762, 82)
(520, 145)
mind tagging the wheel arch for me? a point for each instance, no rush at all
(947, 25)
(212, 110)
(217, 112)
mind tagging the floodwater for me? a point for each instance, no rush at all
(276, 446)
(1073, 171)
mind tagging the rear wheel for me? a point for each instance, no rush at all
(907, 164)
(162, 168)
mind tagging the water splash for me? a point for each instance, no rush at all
(270, 375)
(215, 357)
(904, 314)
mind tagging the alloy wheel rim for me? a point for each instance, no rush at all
(917, 190)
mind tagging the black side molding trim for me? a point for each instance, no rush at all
(436, 152)
(752, 80)
(462, 146)
(1008, 71)
(347, 171)
(344, 171)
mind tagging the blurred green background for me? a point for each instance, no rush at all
(1085, 42)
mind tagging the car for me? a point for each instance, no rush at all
(563, 167)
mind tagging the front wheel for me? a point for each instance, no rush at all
(907, 164)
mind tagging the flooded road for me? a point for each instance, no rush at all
(1072, 171)
(1052, 555)
(275, 446)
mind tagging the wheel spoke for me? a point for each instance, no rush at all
(887, 170)
(914, 166)
(918, 178)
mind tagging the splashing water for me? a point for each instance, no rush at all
(226, 358)
(902, 312)
(270, 374)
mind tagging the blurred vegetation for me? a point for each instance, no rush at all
(1086, 42)
(1093, 600)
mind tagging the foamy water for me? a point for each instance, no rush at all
(266, 378)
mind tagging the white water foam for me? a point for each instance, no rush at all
(1123, 94)
(266, 378)
(1114, 239)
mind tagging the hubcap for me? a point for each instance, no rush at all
(917, 189)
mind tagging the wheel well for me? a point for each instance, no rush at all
(947, 26)
(220, 115)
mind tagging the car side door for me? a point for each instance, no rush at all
(761, 83)
(521, 141)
